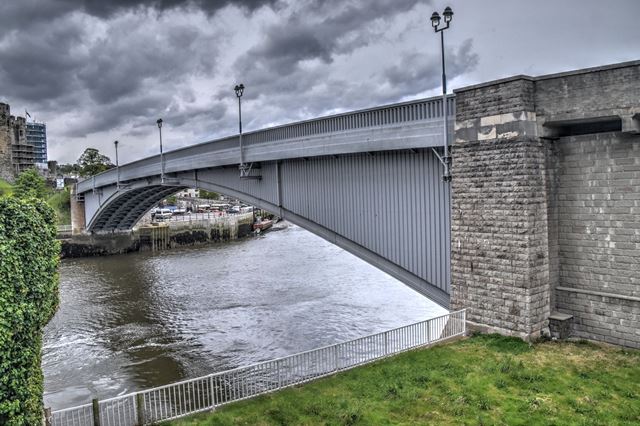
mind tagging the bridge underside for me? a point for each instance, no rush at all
(389, 208)
(127, 207)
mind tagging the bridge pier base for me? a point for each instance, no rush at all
(500, 246)
(78, 220)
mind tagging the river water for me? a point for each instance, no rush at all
(147, 319)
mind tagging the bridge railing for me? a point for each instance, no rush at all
(206, 393)
(352, 121)
(388, 115)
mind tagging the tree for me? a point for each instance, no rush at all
(209, 195)
(69, 169)
(29, 257)
(30, 184)
(91, 162)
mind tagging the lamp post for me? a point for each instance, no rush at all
(115, 143)
(239, 89)
(159, 122)
(435, 23)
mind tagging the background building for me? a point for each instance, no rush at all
(37, 136)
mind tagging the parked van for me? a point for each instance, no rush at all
(163, 214)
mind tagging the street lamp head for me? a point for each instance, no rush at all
(159, 122)
(448, 14)
(435, 19)
(239, 89)
(115, 143)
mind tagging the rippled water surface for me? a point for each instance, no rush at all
(147, 319)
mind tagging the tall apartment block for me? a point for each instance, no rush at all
(37, 136)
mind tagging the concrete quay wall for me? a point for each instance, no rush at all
(161, 237)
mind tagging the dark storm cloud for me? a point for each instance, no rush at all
(21, 13)
(105, 69)
(296, 52)
(109, 116)
(319, 32)
(420, 70)
(296, 55)
(105, 8)
(134, 64)
(319, 93)
(121, 65)
(40, 64)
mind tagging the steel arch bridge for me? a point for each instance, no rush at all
(369, 181)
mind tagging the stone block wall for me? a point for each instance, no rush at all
(500, 270)
(6, 138)
(542, 224)
(610, 319)
(500, 97)
(597, 92)
(598, 231)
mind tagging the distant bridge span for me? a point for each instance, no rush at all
(368, 181)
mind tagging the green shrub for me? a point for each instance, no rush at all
(29, 256)
(5, 188)
(30, 184)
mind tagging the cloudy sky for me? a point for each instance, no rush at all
(96, 70)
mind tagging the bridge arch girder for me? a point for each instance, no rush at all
(125, 207)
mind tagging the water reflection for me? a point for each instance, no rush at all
(142, 320)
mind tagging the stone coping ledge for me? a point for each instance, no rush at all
(559, 316)
(549, 76)
(598, 293)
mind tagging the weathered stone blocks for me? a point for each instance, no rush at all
(541, 223)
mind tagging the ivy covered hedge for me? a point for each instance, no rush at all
(29, 256)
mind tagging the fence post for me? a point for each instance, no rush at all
(428, 332)
(278, 373)
(140, 408)
(213, 394)
(47, 416)
(464, 322)
(335, 357)
(386, 343)
(96, 412)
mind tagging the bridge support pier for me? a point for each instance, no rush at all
(500, 246)
(78, 220)
(545, 223)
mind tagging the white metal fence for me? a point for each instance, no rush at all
(208, 392)
(64, 229)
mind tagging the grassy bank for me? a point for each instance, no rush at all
(481, 380)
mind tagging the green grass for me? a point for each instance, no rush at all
(60, 201)
(483, 380)
(5, 188)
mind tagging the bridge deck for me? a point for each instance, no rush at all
(407, 125)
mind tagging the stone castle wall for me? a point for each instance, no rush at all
(6, 140)
(16, 154)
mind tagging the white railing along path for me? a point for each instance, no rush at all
(206, 393)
